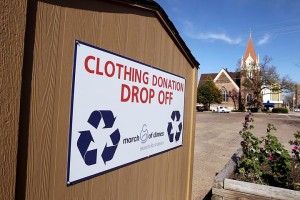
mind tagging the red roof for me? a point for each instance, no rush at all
(205, 77)
(235, 76)
(250, 50)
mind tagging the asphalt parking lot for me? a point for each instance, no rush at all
(217, 138)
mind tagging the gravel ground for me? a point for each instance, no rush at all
(217, 138)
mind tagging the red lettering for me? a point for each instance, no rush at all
(135, 91)
(127, 73)
(119, 71)
(151, 95)
(169, 95)
(161, 99)
(109, 63)
(145, 77)
(125, 97)
(136, 94)
(86, 62)
(98, 67)
(146, 95)
(154, 80)
(160, 81)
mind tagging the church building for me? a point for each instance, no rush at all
(234, 94)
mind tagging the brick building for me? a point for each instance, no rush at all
(231, 83)
(227, 82)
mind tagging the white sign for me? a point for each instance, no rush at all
(122, 111)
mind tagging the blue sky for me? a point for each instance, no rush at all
(217, 31)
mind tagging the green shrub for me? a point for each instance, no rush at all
(254, 110)
(265, 159)
(280, 110)
(238, 111)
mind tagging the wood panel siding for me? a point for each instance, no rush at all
(11, 65)
(127, 30)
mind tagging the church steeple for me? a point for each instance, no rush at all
(250, 58)
(250, 50)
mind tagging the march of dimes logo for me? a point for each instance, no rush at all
(89, 156)
(173, 128)
(143, 136)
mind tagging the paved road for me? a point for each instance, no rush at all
(217, 138)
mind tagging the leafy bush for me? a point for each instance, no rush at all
(249, 166)
(265, 159)
(278, 158)
(254, 110)
(280, 110)
(296, 149)
(238, 111)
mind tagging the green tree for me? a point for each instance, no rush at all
(208, 93)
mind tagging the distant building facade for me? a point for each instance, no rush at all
(231, 83)
(297, 96)
(227, 82)
(272, 97)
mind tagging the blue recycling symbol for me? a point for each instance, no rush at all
(85, 138)
(175, 116)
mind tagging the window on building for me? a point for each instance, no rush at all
(249, 73)
(224, 94)
(249, 98)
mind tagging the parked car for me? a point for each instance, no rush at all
(221, 109)
(297, 109)
(199, 108)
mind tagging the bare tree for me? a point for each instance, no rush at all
(238, 65)
(289, 99)
(234, 95)
(261, 77)
(287, 84)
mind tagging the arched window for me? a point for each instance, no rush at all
(249, 98)
(224, 94)
(249, 73)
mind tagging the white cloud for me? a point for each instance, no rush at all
(264, 40)
(217, 36)
(192, 33)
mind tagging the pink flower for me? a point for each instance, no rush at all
(261, 149)
(271, 157)
(249, 119)
(295, 147)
